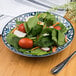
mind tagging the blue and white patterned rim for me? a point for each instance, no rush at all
(11, 24)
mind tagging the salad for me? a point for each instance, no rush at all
(38, 35)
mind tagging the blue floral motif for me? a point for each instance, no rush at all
(11, 24)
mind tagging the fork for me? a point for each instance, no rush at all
(59, 67)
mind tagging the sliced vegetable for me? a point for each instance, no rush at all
(63, 28)
(35, 48)
(45, 34)
(66, 38)
(14, 29)
(40, 23)
(54, 49)
(19, 33)
(38, 15)
(26, 43)
(51, 27)
(57, 27)
(45, 48)
(55, 24)
(21, 28)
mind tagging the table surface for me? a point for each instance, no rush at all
(12, 64)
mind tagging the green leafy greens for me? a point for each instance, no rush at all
(42, 36)
(32, 22)
(13, 40)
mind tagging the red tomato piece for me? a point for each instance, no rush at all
(26, 43)
(21, 28)
(57, 27)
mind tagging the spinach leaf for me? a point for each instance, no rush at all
(36, 30)
(35, 52)
(26, 27)
(23, 50)
(63, 28)
(13, 40)
(42, 15)
(47, 30)
(32, 22)
(61, 38)
(42, 53)
(54, 35)
(38, 52)
(44, 42)
(50, 19)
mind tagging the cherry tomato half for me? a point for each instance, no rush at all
(57, 27)
(21, 28)
(26, 43)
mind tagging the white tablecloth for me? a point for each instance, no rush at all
(12, 8)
